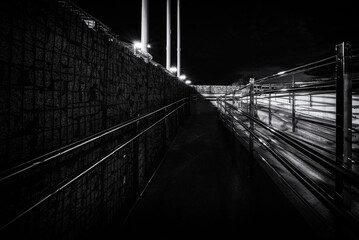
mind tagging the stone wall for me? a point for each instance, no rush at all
(62, 81)
(214, 89)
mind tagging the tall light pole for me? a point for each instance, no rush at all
(178, 39)
(144, 26)
(168, 35)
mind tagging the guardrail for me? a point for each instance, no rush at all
(306, 119)
(138, 126)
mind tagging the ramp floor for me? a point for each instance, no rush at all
(200, 191)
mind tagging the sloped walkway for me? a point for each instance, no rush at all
(200, 191)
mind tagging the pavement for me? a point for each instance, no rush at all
(201, 191)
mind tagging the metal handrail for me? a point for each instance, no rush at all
(68, 181)
(299, 69)
(13, 171)
(311, 185)
(319, 158)
(335, 123)
(296, 70)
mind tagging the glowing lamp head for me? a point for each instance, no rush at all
(182, 77)
(137, 45)
(173, 69)
(188, 82)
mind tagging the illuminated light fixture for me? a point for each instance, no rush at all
(173, 69)
(137, 45)
(281, 73)
(148, 45)
(182, 77)
(188, 82)
(90, 23)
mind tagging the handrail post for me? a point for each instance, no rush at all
(293, 105)
(269, 106)
(251, 138)
(225, 107)
(251, 111)
(343, 120)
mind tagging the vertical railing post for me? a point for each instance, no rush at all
(225, 107)
(343, 121)
(293, 105)
(269, 106)
(233, 99)
(251, 138)
(251, 111)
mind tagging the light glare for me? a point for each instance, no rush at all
(173, 69)
(182, 77)
(137, 45)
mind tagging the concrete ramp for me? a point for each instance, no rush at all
(202, 189)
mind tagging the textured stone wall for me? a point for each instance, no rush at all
(214, 89)
(61, 81)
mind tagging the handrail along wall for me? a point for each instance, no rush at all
(307, 119)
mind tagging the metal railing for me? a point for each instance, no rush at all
(306, 119)
(139, 125)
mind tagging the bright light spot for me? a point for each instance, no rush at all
(137, 45)
(182, 77)
(90, 23)
(148, 45)
(280, 73)
(173, 69)
(188, 82)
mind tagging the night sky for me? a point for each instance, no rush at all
(224, 41)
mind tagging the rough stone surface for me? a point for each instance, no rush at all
(61, 81)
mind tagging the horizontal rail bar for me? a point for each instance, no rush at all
(68, 148)
(321, 159)
(300, 68)
(311, 185)
(65, 183)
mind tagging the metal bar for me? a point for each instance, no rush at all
(310, 184)
(339, 120)
(63, 150)
(251, 113)
(319, 158)
(269, 108)
(302, 68)
(293, 105)
(347, 101)
(67, 182)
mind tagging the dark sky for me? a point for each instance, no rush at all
(223, 41)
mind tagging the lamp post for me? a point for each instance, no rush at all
(168, 35)
(144, 26)
(178, 39)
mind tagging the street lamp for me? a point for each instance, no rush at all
(168, 35)
(178, 39)
(173, 69)
(182, 77)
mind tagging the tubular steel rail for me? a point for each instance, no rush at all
(306, 118)
(22, 169)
